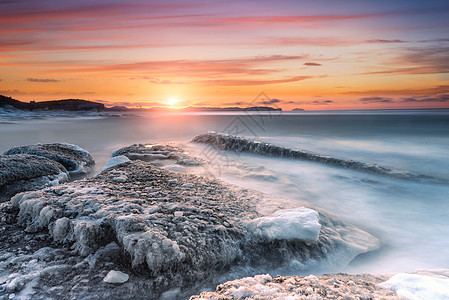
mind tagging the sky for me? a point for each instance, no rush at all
(315, 55)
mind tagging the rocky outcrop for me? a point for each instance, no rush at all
(25, 172)
(239, 144)
(75, 159)
(181, 230)
(155, 152)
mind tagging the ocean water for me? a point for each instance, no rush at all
(410, 217)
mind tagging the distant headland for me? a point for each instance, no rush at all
(86, 105)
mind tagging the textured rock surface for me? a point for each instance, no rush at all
(239, 144)
(75, 159)
(24, 172)
(154, 152)
(176, 229)
(328, 286)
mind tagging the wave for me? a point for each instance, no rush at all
(239, 144)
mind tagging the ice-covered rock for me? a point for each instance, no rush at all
(181, 229)
(115, 161)
(116, 277)
(416, 287)
(329, 286)
(299, 223)
(24, 172)
(75, 159)
(154, 152)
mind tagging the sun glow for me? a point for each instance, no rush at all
(173, 101)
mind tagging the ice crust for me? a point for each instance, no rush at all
(417, 287)
(300, 223)
(181, 228)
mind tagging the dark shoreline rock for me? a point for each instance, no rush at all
(239, 144)
(75, 159)
(25, 172)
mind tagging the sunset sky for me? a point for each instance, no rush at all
(306, 54)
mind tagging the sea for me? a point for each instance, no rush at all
(410, 217)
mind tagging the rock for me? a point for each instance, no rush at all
(155, 152)
(238, 144)
(116, 277)
(115, 161)
(24, 172)
(75, 159)
(363, 286)
(214, 232)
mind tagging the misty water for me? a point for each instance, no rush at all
(410, 217)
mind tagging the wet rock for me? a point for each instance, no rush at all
(75, 159)
(155, 152)
(24, 172)
(182, 234)
(240, 144)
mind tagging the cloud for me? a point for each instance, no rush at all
(238, 103)
(245, 66)
(42, 80)
(245, 82)
(270, 101)
(418, 60)
(315, 102)
(436, 98)
(158, 81)
(312, 64)
(11, 92)
(381, 41)
(439, 89)
(376, 100)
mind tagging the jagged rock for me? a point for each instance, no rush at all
(75, 159)
(178, 229)
(24, 172)
(153, 152)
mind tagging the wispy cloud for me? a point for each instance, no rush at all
(11, 92)
(247, 82)
(270, 101)
(376, 100)
(436, 98)
(382, 41)
(43, 80)
(312, 64)
(243, 66)
(314, 102)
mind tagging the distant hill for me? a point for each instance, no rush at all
(66, 104)
(83, 105)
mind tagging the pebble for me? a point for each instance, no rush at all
(116, 277)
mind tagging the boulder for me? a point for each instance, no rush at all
(75, 159)
(25, 172)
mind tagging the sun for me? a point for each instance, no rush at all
(173, 101)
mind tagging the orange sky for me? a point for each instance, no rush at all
(307, 54)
